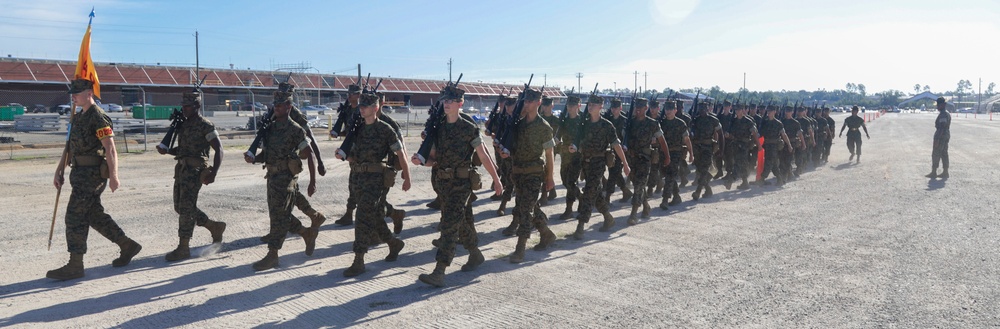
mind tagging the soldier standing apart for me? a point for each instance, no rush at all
(675, 131)
(458, 140)
(775, 140)
(94, 160)
(942, 134)
(570, 167)
(743, 134)
(195, 136)
(644, 133)
(598, 134)
(706, 132)
(546, 113)
(532, 165)
(285, 145)
(373, 141)
(615, 172)
(353, 95)
(829, 140)
(854, 122)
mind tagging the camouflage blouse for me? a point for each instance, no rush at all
(674, 132)
(87, 131)
(642, 133)
(792, 128)
(597, 137)
(568, 129)
(771, 130)
(533, 138)
(456, 143)
(703, 128)
(373, 142)
(283, 141)
(194, 138)
(743, 129)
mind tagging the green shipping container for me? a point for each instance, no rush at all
(154, 112)
(7, 113)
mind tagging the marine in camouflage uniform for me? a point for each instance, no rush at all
(195, 136)
(829, 141)
(373, 140)
(942, 136)
(570, 165)
(775, 140)
(505, 165)
(706, 132)
(339, 129)
(854, 122)
(794, 131)
(685, 167)
(655, 182)
(724, 158)
(285, 145)
(744, 139)
(396, 215)
(802, 157)
(615, 178)
(597, 136)
(675, 131)
(823, 132)
(457, 141)
(643, 133)
(545, 111)
(532, 161)
(91, 152)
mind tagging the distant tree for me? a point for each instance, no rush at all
(989, 88)
(916, 88)
(862, 90)
(927, 88)
(851, 87)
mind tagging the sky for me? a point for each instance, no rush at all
(776, 44)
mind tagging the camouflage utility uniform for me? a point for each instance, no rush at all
(194, 138)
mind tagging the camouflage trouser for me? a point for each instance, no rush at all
(801, 158)
(456, 218)
(671, 175)
(615, 178)
(352, 201)
(740, 157)
(771, 161)
(527, 213)
(594, 172)
(817, 151)
(367, 189)
(728, 156)
(85, 210)
(685, 170)
(187, 184)
(282, 189)
(826, 148)
(506, 178)
(939, 154)
(640, 167)
(656, 170)
(385, 202)
(854, 142)
(569, 172)
(303, 205)
(785, 157)
(702, 163)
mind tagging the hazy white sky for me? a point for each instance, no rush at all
(779, 44)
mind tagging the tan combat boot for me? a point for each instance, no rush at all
(268, 262)
(578, 234)
(216, 229)
(182, 252)
(357, 267)
(568, 214)
(475, 259)
(397, 220)
(609, 222)
(395, 245)
(309, 237)
(436, 278)
(72, 270)
(633, 217)
(518, 255)
(129, 249)
(546, 238)
(316, 219)
(645, 209)
(512, 228)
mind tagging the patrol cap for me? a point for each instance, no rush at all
(616, 102)
(572, 100)
(855, 107)
(284, 93)
(640, 102)
(594, 99)
(192, 98)
(353, 89)
(452, 93)
(703, 106)
(727, 103)
(826, 109)
(546, 100)
(670, 105)
(654, 103)
(368, 99)
(532, 94)
(79, 85)
(941, 100)
(771, 108)
(510, 100)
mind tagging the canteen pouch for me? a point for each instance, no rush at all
(105, 173)
(476, 179)
(388, 177)
(609, 158)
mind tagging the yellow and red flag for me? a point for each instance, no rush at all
(85, 65)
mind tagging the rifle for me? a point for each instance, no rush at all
(495, 114)
(580, 131)
(694, 105)
(344, 110)
(509, 139)
(176, 119)
(355, 123)
(628, 120)
(562, 117)
(663, 107)
(435, 116)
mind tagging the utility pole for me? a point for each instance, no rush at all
(744, 80)
(578, 77)
(449, 69)
(635, 85)
(980, 101)
(545, 79)
(197, 67)
(645, 80)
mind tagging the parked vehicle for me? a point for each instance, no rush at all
(317, 109)
(61, 109)
(111, 107)
(40, 108)
(387, 109)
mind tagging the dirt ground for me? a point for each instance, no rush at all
(873, 244)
